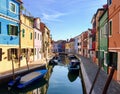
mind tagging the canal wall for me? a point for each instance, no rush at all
(89, 70)
(8, 75)
(39, 64)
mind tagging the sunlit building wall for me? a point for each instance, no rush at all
(9, 33)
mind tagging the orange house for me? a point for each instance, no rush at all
(114, 36)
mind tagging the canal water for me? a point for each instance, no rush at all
(58, 80)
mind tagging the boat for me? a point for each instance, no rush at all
(23, 81)
(37, 84)
(71, 57)
(74, 65)
(55, 60)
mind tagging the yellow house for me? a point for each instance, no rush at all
(26, 39)
(67, 47)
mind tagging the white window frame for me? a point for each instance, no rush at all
(105, 30)
(105, 59)
(109, 2)
(10, 7)
(109, 28)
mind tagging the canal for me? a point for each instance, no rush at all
(58, 80)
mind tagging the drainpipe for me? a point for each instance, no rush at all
(108, 33)
(19, 35)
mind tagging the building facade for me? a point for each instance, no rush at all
(103, 40)
(9, 32)
(98, 14)
(114, 35)
(37, 40)
(45, 39)
(26, 39)
(85, 43)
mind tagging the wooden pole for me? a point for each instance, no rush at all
(27, 62)
(13, 71)
(108, 80)
(98, 71)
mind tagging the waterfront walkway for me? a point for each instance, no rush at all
(4, 76)
(89, 70)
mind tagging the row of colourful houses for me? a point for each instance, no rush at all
(23, 37)
(101, 42)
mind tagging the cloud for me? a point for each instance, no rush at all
(53, 17)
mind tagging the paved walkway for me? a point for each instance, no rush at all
(89, 70)
(34, 65)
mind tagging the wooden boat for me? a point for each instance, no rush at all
(71, 57)
(23, 81)
(36, 85)
(55, 60)
(74, 65)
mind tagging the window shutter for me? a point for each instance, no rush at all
(23, 32)
(16, 29)
(9, 54)
(31, 36)
(9, 29)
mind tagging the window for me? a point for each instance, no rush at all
(109, 2)
(12, 7)
(35, 51)
(110, 28)
(31, 36)
(0, 27)
(12, 52)
(38, 36)
(35, 35)
(12, 30)
(23, 33)
(0, 54)
(105, 30)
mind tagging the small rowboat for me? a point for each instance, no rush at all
(23, 81)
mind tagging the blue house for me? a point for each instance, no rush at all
(9, 29)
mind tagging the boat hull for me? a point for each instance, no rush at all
(27, 79)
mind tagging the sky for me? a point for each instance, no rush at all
(64, 18)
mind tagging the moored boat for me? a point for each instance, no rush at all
(74, 65)
(23, 81)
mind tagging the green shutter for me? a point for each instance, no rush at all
(23, 33)
(9, 29)
(31, 36)
(110, 28)
(16, 30)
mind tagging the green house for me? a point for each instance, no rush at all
(103, 40)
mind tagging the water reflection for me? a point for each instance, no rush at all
(57, 81)
(72, 76)
(35, 87)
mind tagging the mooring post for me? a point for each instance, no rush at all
(13, 71)
(95, 79)
(108, 80)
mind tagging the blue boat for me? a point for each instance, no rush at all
(55, 60)
(23, 81)
(37, 84)
(74, 65)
